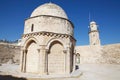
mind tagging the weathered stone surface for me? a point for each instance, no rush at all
(9, 51)
(49, 9)
(47, 42)
(107, 54)
(111, 54)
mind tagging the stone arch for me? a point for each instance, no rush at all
(53, 40)
(78, 58)
(56, 58)
(77, 61)
(32, 56)
(28, 41)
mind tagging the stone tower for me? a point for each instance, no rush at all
(47, 42)
(94, 34)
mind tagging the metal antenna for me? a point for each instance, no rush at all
(89, 18)
(50, 1)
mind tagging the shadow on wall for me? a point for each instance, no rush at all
(9, 77)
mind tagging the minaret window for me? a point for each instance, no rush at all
(93, 35)
(78, 58)
(32, 27)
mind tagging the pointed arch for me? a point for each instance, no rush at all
(54, 40)
(77, 58)
(56, 58)
(31, 58)
(29, 41)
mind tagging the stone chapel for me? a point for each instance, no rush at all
(47, 42)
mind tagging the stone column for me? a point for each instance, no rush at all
(39, 63)
(21, 60)
(24, 60)
(74, 62)
(46, 61)
(68, 61)
(65, 52)
(43, 61)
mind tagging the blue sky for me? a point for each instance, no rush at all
(105, 12)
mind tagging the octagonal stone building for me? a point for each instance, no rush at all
(47, 42)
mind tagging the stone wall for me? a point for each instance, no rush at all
(107, 54)
(89, 54)
(9, 53)
(111, 54)
(48, 24)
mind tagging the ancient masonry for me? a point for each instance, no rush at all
(47, 42)
(48, 45)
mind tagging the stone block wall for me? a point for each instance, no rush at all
(9, 52)
(107, 54)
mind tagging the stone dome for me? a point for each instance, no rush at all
(49, 9)
(92, 22)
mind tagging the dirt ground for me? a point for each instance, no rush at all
(86, 72)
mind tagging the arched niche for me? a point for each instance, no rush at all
(56, 58)
(28, 42)
(32, 56)
(77, 58)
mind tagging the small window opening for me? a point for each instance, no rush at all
(78, 58)
(32, 27)
(94, 44)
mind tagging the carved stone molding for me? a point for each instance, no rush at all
(49, 34)
(47, 51)
(93, 31)
(65, 51)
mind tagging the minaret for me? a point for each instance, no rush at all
(94, 34)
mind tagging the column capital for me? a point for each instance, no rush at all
(38, 50)
(25, 50)
(43, 49)
(65, 51)
(42, 46)
(47, 51)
